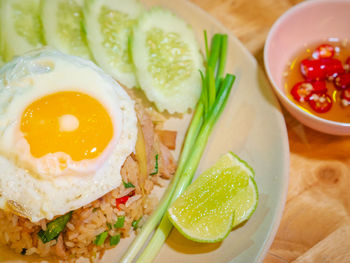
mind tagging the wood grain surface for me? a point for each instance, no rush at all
(315, 226)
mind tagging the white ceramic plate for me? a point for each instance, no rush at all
(251, 126)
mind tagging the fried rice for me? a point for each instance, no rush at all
(78, 239)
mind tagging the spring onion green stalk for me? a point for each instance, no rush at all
(206, 43)
(100, 239)
(120, 222)
(156, 166)
(128, 185)
(215, 93)
(223, 57)
(54, 228)
(114, 240)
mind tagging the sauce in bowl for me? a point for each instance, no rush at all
(318, 80)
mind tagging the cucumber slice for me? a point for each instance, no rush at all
(167, 60)
(20, 27)
(63, 26)
(108, 25)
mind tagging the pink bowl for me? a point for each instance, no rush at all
(310, 22)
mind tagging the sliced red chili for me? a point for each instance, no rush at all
(319, 87)
(345, 97)
(303, 90)
(345, 94)
(121, 200)
(347, 65)
(334, 67)
(323, 51)
(320, 103)
(347, 61)
(342, 81)
(311, 69)
(320, 69)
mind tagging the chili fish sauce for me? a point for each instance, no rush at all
(318, 80)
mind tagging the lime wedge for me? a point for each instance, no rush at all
(221, 198)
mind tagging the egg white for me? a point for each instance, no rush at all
(34, 193)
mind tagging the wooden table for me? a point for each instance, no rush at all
(316, 222)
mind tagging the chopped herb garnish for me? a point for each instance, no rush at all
(135, 223)
(120, 222)
(128, 185)
(156, 166)
(114, 240)
(94, 209)
(54, 228)
(109, 225)
(23, 252)
(100, 239)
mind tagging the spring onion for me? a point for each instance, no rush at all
(54, 228)
(215, 92)
(135, 223)
(156, 166)
(100, 239)
(114, 240)
(120, 222)
(128, 185)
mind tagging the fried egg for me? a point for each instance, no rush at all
(66, 129)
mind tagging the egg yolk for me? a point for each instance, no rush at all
(69, 122)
